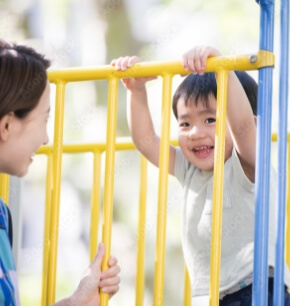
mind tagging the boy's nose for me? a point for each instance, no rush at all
(195, 132)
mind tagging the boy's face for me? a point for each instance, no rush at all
(197, 132)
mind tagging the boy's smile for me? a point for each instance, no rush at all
(197, 122)
(203, 151)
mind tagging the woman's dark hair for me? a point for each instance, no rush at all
(23, 78)
(201, 87)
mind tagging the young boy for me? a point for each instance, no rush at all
(194, 105)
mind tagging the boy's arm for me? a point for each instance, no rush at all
(242, 125)
(142, 130)
(139, 117)
(240, 118)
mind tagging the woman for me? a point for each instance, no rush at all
(24, 111)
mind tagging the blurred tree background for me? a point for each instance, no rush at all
(90, 33)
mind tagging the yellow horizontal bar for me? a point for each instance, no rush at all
(101, 146)
(275, 137)
(92, 147)
(239, 62)
(87, 147)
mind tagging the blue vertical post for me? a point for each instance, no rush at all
(282, 154)
(263, 154)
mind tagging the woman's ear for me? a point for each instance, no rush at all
(5, 126)
(255, 118)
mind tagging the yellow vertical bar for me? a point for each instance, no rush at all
(287, 236)
(162, 194)
(95, 204)
(187, 289)
(57, 163)
(222, 78)
(141, 233)
(46, 243)
(109, 176)
(4, 187)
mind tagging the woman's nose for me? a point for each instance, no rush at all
(46, 139)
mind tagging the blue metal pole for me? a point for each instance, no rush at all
(260, 277)
(282, 154)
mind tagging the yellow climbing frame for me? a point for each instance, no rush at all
(166, 70)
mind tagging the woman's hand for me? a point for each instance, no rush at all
(87, 292)
(109, 280)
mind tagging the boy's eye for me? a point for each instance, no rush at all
(210, 120)
(184, 124)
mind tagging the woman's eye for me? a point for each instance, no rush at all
(210, 120)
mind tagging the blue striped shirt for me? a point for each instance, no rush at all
(8, 278)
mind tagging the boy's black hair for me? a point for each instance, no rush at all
(199, 87)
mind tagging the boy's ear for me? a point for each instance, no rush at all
(5, 126)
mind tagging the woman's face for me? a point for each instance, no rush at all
(24, 138)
